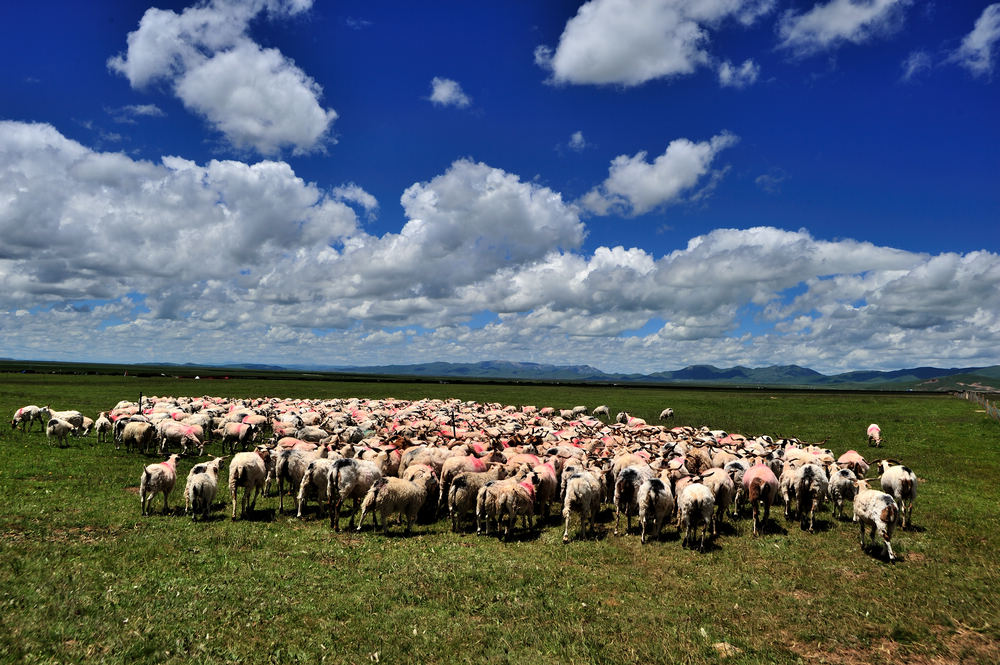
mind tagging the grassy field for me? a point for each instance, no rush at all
(84, 578)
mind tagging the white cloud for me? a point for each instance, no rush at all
(828, 25)
(977, 48)
(916, 64)
(258, 98)
(577, 142)
(446, 92)
(738, 77)
(635, 186)
(109, 258)
(629, 42)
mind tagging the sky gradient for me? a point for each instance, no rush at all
(636, 186)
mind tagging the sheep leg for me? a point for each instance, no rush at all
(618, 519)
(566, 516)
(888, 548)
(164, 503)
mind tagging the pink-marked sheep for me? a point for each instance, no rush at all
(58, 429)
(389, 496)
(201, 487)
(878, 511)
(237, 435)
(456, 464)
(901, 484)
(516, 500)
(350, 479)
(874, 435)
(488, 499)
(656, 502)
(465, 488)
(760, 486)
(156, 479)
(695, 506)
(248, 470)
(173, 433)
(853, 460)
(26, 416)
(582, 494)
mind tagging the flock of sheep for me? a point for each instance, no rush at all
(491, 463)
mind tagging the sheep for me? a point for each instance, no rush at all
(627, 484)
(389, 496)
(696, 505)
(601, 410)
(723, 489)
(200, 488)
(428, 510)
(137, 434)
(901, 484)
(73, 417)
(26, 416)
(879, 511)
(84, 429)
(234, 434)
(841, 488)
(811, 486)
(177, 434)
(545, 488)
(157, 478)
(579, 411)
(666, 413)
(315, 479)
(350, 479)
(465, 487)
(853, 460)
(248, 470)
(760, 486)
(290, 465)
(488, 499)
(104, 427)
(583, 494)
(655, 503)
(517, 499)
(874, 435)
(736, 469)
(58, 429)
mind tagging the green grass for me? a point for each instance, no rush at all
(84, 578)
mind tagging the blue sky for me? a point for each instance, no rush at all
(637, 186)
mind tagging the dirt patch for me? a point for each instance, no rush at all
(133, 490)
(961, 646)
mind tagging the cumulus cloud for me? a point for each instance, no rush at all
(256, 97)
(635, 186)
(446, 92)
(630, 42)
(827, 26)
(109, 258)
(977, 48)
(743, 76)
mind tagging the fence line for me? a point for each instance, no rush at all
(991, 409)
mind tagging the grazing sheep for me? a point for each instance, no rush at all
(248, 470)
(696, 505)
(390, 496)
(173, 433)
(655, 503)
(351, 478)
(465, 488)
(877, 510)
(627, 485)
(811, 486)
(601, 410)
(58, 429)
(27, 415)
(157, 478)
(874, 435)
(841, 488)
(579, 411)
(901, 484)
(666, 413)
(199, 491)
(760, 486)
(237, 434)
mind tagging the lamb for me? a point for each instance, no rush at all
(666, 413)
(157, 478)
(350, 479)
(58, 429)
(583, 494)
(389, 496)
(874, 435)
(199, 491)
(901, 484)
(655, 503)
(248, 470)
(464, 489)
(696, 505)
(811, 486)
(103, 426)
(760, 486)
(627, 484)
(841, 488)
(877, 510)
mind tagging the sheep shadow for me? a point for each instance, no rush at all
(770, 526)
(257, 515)
(874, 551)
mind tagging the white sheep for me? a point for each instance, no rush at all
(315, 480)
(157, 478)
(248, 470)
(655, 502)
(389, 496)
(723, 488)
(582, 494)
(103, 426)
(901, 484)
(878, 511)
(289, 466)
(666, 413)
(27, 415)
(842, 488)
(350, 479)
(627, 484)
(58, 429)
(811, 486)
(601, 410)
(696, 506)
(465, 488)
(201, 487)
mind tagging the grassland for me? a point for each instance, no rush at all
(84, 578)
